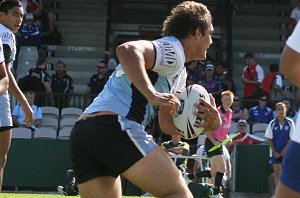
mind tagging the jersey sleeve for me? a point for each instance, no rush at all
(7, 41)
(38, 113)
(269, 133)
(260, 73)
(294, 40)
(1, 52)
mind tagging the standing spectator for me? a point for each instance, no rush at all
(177, 147)
(215, 137)
(278, 135)
(40, 83)
(41, 13)
(97, 82)
(211, 83)
(294, 16)
(244, 137)
(238, 111)
(289, 184)
(290, 111)
(18, 114)
(11, 13)
(272, 84)
(30, 33)
(253, 75)
(261, 113)
(61, 85)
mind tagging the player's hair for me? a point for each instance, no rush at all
(185, 18)
(280, 104)
(6, 5)
(41, 60)
(227, 93)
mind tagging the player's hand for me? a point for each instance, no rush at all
(209, 114)
(167, 100)
(29, 116)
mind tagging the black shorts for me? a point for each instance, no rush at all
(208, 145)
(107, 146)
(5, 128)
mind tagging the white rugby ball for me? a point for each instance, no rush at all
(184, 119)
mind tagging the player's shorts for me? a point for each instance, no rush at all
(107, 146)
(5, 115)
(208, 145)
(290, 171)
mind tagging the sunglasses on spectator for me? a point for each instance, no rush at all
(263, 99)
(236, 99)
(101, 67)
(242, 125)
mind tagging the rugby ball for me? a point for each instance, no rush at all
(184, 120)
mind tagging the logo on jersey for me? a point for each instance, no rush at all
(168, 54)
(6, 37)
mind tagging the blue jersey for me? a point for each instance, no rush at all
(280, 134)
(168, 75)
(257, 114)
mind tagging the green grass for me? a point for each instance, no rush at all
(19, 195)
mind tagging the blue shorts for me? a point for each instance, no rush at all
(290, 171)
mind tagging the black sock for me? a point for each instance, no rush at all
(205, 173)
(218, 182)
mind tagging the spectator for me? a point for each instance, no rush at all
(192, 72)
(39, 83)
(272, 84)
(278, 135)
(97, 82)
(41, 13)
(253, 75)
(244, 137)
(211, 83)
(290, 111)
(177, 147)
(224, 77)
(261, 113)
(61, 85)
(30, 33)
(111, 65)
(294, 16)
(238, 111)
(18, 115)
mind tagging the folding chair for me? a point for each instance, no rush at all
(20, 132)
(71, 112)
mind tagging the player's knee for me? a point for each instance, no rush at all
(3, 160)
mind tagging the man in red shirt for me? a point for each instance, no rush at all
(253, 75)
(244, 137)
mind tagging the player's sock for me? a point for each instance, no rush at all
(218, 182)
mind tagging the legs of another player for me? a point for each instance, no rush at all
(283, 191)
(158, 175)
(5, 137)
(101, 187)
(276, 168)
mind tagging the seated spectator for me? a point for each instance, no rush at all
(224, 77)
(192, 72)
(61, 85)
(238, 112)
(244, 137)
(177, 147)
(41, 13)
(211, 83)
(30, 33)
(97, 82)
(290, 111)
(18, 115)
(261, 113)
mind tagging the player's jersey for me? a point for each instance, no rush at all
(280, 134)
(168, 75)
(293, 42)
(222, 132)
(7, 38)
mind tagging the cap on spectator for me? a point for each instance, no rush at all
(209, 67)
(29, 16)
(61, 62)
(242, 121)
(112, 63)
(248, 55)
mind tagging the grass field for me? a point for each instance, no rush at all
(19, 195)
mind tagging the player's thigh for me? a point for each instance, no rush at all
(283, 191)
(157, 174)
(218, 163)
(101, 187)
(5, 138)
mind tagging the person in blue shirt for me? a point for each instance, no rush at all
(278, 135)
(261, 113)
(30, 32)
